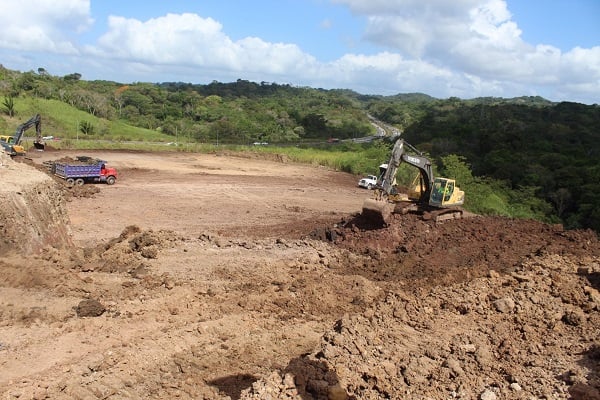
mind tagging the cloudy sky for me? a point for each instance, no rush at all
(444, 48)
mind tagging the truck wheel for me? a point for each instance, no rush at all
(110, 180)
(79, 182)
(70, 182)
(369, 186)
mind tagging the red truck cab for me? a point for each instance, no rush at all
(108, 174)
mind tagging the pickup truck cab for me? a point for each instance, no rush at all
(368, 182)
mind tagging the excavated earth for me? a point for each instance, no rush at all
(216, 276)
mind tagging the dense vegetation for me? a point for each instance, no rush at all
(523, 157)
(550, 153)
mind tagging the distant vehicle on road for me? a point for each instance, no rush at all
(368, 182)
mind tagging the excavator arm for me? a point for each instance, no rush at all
(13, 145)
(424, 166)
(36, 121)
(398, 156)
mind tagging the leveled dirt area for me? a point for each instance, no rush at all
(203, 276)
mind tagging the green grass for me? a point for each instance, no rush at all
(354, 159)
(61, 120)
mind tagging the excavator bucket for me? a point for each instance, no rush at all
(377, 212)
(39, 145)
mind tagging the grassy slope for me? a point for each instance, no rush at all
(61, 120)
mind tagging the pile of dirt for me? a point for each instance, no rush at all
(129, 252)
(484, 308)
(413, 253)
(33, 214)
(529, 334)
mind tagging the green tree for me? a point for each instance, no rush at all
(74, 77)
(9, 105)
(314, 124)
(86, 127)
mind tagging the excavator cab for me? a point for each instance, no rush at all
(10, 147)
(444, 193)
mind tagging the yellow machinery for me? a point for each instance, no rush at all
(12, 144)
(437, 198)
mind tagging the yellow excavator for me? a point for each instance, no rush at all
(435, 198)
(12, 144)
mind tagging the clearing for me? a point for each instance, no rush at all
(216, 276)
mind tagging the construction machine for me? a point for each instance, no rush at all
(433, 197)
(12, 144)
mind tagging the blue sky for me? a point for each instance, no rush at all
(461, 48)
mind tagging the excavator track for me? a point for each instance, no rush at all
(443, 214)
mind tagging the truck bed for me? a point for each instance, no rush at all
(77, 170)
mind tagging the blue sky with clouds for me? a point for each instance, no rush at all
(462, 48)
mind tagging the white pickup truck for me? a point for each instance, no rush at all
(368, 182)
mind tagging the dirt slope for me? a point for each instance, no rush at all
(480, 308)
(216, 276)
(32, 211)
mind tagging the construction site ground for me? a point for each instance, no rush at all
(222, 276)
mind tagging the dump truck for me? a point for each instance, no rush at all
(84, 170)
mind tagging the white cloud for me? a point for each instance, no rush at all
(479, 46)
(463, 48)
(43, 25)
(189, 40)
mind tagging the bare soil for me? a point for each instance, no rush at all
(216, 276)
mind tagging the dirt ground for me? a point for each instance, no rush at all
(215, 276)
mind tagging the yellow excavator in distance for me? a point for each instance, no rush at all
(12, 144)
(435, 198)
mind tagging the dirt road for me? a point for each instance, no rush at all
(216, 276)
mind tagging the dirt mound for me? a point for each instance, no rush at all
(129, 252)
(529, 334)
(413, 253)
(480, 308)
(33, 214)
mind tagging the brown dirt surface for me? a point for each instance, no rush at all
(216, 276)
